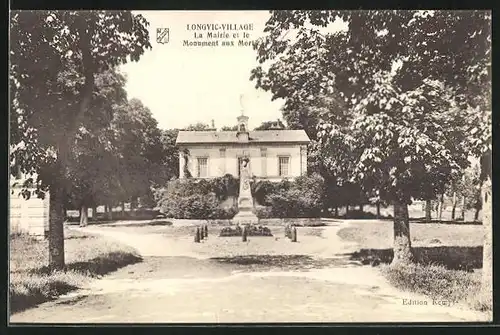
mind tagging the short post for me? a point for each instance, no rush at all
(202, 233)
(197, 235)
(244, 234)
(206, 230)
(294, 234)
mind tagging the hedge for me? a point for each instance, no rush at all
(201, 198)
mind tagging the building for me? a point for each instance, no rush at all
(274, 154)
(27, 216)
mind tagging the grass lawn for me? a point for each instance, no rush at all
(378, 234)
(448, 258)
(86, 256)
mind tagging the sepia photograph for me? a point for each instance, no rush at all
(223, 167)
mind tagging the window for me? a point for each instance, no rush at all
(284, 164)
(202, 167)
(222, 152)
(242, 127)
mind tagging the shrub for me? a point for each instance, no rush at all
(196, 206)
(251, 231)
(197, 198)
(261, 189)
(224, 186)
(264, 212)
(303, 198)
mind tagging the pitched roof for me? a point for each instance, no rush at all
(256, 136)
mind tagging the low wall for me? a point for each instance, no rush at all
(28, 216)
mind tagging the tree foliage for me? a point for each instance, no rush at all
(267, 125)
(48, 110)
(199, 126)
(413, 85)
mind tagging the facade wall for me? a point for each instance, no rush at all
(28, 216)
(264, 159)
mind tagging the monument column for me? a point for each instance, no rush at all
(245, 215)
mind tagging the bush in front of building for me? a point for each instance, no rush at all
(197, 198)
(261, 189)
(201, 198)
(300, 198)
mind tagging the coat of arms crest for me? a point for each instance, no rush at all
(162, 35)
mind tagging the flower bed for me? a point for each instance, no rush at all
(252, 231)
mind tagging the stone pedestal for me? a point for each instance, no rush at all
(245, 218)
(245, 215)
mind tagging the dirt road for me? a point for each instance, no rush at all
(180, 281)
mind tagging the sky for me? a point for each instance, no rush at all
(182, 85)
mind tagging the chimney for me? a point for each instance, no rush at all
(213, 124)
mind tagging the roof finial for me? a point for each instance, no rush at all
(241, 105)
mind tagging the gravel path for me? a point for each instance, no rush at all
(180, 281)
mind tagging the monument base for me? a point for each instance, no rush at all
(245, 218)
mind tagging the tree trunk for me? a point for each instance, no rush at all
(123, 208)
(454, 205)
(402, 241)
(336, 213)
(463, 208)
(346, 211)
(57, 190)
(440, 207)
(476, 214)
(84, 216)
(56, 227)
(109, 214)
(94, 213)
(361, 208)
(133, 203)
(325, 210)
(428, 210)
(486, 193)
(378, 209)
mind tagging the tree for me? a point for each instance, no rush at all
(45, 45)
(470, 190)
(229, 128)
(91, 145)
(332, 159)
(171, 153)
(199, 126)
(142, 152)
(267, 125)
(406, 104)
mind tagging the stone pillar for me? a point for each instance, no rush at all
(303, 160)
